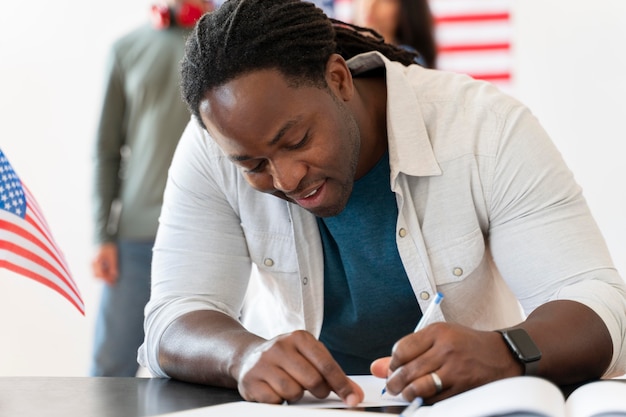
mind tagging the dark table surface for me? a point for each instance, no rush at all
(104, 396)
(117, 397)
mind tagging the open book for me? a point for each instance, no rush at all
(523, 396)
(532, 396)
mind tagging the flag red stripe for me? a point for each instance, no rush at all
(56, 255)
(32, 207)
(33, 257)
(12, 227)
(27, 246)
(472, 17)
(503, 46)
(43, 280)
(37, 219)
(504, 76)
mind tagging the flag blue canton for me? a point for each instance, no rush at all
(12, 197)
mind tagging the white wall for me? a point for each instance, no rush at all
(51, 60)
(569, 69)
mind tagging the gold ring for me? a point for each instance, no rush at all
(437, 381)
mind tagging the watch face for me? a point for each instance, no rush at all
(522, 344)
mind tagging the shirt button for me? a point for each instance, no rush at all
(424, 295)
(305, 280)
(402, 232)
(268, 262)
(457, 271)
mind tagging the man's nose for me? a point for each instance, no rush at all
(287, 175)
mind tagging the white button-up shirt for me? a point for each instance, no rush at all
(488, 214)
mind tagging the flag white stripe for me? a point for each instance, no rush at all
(476, 62)
(473, 33)
(471, 7)
(26, 263)
(32, 247)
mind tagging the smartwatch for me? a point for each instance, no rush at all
(523, 348)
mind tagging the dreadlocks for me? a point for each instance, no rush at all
(293, 36)
(353, 40)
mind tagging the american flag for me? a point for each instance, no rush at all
(473, 37)
(26, 244)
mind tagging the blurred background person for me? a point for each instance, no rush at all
(141, 120)
(405, 23)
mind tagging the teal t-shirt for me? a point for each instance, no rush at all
(368, 301)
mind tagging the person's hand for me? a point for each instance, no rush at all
(104, 263)
(462, 359)
(281, 369)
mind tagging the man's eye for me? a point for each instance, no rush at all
(300, 144)
(258, 168)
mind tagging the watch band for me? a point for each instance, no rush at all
(523, 349)
(531, 368)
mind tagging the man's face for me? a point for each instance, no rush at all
(297, 143)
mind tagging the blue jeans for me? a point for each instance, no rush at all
(119, 325)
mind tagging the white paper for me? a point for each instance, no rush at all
(372, 388)
(245, 408)
(307, 406)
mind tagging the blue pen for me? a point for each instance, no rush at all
(425, 319)
(410, 410)
(429, 312)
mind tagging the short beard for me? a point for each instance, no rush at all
(353, 159)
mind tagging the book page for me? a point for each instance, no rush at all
(517, 396)
(598, 399)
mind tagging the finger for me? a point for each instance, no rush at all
(426, 386)
(307, 376)
(422, 365)
(285, 386)
(262, 380)
(102, 273)
(262, 393)
(349, 392)
(380, 367)
(410, 347)
(111, 268)
(357, 395)
(96, 269)
(107, 276)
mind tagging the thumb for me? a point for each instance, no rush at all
(380, 367)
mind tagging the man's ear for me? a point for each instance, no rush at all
(339, 77)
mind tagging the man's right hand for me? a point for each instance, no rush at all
(210, 347)
(284, 367)
(104, 263)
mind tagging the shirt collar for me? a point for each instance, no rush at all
(406, 128)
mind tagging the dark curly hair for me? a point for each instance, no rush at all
(292, 36)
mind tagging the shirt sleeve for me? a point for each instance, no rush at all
(110, 138)
(200, 259)
(543, 237)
